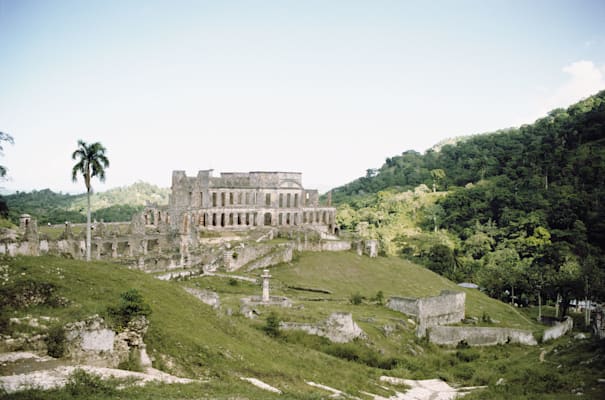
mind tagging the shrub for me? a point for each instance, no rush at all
(131, 305)
(133, 363)
(467, 355)
(271, 327)
(379, 298)
(356, 299)
(55, 341)
(81, 383)
(233, 282)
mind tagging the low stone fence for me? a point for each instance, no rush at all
(479, 336)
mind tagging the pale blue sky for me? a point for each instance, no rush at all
(327, 88)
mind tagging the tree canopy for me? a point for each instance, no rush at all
(521, 209)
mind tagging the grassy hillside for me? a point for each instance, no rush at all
(189, 338)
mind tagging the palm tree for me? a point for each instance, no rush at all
(91, 162)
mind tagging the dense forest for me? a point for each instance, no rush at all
(114, 205)
(518, 211)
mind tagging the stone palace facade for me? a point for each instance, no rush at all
(237, 200)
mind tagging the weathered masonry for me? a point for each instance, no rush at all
(237, 200)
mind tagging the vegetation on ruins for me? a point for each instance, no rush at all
(518, 211)
(91, 163)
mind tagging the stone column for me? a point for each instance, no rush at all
(266, 276)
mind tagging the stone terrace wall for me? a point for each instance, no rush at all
(477, 336)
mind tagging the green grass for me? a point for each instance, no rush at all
(189, 338)
(346, 273)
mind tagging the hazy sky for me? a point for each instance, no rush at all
(327, 88)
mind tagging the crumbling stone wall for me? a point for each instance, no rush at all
(339, 328)
(447, 308)
(92, 342)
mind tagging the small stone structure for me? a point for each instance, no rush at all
(339, 328)
(447, 308)
(248, 303)
(206, 296)
(93, 343)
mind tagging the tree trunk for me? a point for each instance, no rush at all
(512, 295)
(88, 226)
(539, 306)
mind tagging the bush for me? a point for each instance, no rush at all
(356, 299)
(133, 363)
(271, 327)
(131, 305)
(81, 383)
(233, 282)
(56, 341)
(379, 298)
(467, 355)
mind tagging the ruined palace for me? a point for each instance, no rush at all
(237, 200)
(210, 222)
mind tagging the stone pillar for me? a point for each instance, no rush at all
(266, 276)
(114, 249)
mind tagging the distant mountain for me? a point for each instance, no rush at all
(118, 204)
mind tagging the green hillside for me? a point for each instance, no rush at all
(189, 338)
(113, 205)
(517, 211)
